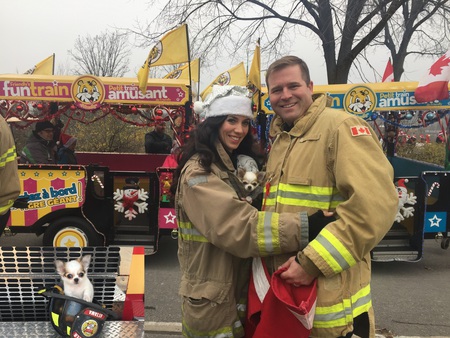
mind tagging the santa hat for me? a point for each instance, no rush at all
(225, 100)
(67, 140)
(401, 182)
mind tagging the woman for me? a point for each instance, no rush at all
(217, 229)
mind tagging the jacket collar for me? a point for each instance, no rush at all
(224, 156)
(304, 122)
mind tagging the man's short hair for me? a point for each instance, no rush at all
(287, 61)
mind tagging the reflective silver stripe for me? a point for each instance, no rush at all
(197, 180)
(268, 238)
(187, 232)
(343, 313)
(330, 251)
(304, 230)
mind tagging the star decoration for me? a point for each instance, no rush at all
(69, 243)
(55, 83)
(434, 221)
(170, 218)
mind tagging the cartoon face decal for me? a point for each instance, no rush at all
(175, 74)
(155, 53)
(360, 101)
(223, 79)
(88, 92)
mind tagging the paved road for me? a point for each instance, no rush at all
(410, 299)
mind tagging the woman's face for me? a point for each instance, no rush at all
(233, 130)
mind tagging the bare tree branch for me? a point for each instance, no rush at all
(106, 54)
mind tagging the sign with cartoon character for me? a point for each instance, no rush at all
(368, 97)
(360, 101)
(88, 92)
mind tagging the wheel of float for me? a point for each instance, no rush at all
(445, 243)
(71, 232)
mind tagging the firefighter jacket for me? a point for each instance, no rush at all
(9, 177)
(218, 232)
(332, 160)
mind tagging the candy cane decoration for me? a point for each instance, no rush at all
(435, 184)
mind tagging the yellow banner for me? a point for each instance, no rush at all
(45, 67)
(183, 72)
(233, 76)
(171, 49)
(254, 75)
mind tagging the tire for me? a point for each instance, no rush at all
(445, 243)
(71, 232)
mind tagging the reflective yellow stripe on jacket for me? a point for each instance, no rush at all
(332, 251)
(8, 156)
(268, 238)
(304, 196)
(343, 314)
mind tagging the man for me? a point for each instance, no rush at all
(157, 141)
(325, 159)
(9, 177)
(40, 146)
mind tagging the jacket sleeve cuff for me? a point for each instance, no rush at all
(308, 265)
(304, 230)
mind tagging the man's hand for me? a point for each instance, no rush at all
(295, 274)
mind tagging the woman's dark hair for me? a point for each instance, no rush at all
(202, 141)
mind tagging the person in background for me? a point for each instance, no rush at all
(218, 230)
(323, 159)
(66, 151)
(40, 147)
(157, 141)
(9, 177)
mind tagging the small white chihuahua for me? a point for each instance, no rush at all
(75, 279)
(248, 173)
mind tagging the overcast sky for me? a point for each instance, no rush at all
(32, 30)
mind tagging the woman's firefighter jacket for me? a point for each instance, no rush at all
(332, 160)
(9, 177)
(217, 231)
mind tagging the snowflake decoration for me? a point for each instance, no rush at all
(127, 200)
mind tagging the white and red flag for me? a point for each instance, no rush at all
(388, 75)
(434, 85)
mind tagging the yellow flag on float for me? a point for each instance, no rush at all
(171, 49)
(45, 67)
(183, 71)
(254, 76)
(233, 76)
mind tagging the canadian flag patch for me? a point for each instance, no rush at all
(360, 130)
